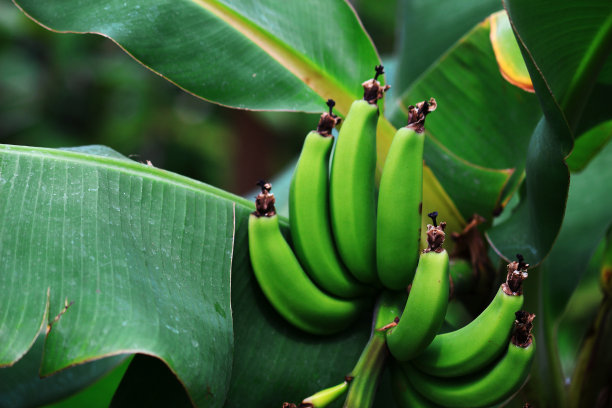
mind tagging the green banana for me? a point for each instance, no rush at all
(426, 305)
(400, 197)
(404, 394)
(309, 214)
(284, 282)
(352, 191)
(325, 397)
(472, 347)
(487, 388)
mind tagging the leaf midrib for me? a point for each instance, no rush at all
(295, 62)
(126, 166)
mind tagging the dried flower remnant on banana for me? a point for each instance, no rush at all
(517, 273)
(417, 114)
(523, 325)
(328, 120)
(372, 89)
(264, 202)
(435, 234)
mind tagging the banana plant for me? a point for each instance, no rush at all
(126, 284)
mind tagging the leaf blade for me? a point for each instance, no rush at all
(563, 89)
(475, 104)
(141, 252)
(252, 55)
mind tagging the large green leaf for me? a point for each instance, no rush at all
(289, 55)
(588, 217)
(143, 254)
(563, 72)
(478, 190)
(580, 40)
(476, 106)
(429, 29)
(535, 222)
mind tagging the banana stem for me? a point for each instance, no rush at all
(366, 373)
(371, 363)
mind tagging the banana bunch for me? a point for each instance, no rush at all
(329, 280)
(493, 384)
(285, 283)
(479, 365)
(348, 244)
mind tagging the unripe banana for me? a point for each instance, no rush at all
(472, 347)
(352, 185)
(325, 397)
(487, 388)
(404, 394)
(309, 214)
(284, 282)
(426, 305)
(400, 197)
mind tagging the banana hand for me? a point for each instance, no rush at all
(489, 387)
(284, 282)
(472, 347)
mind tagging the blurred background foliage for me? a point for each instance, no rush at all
(72, 90)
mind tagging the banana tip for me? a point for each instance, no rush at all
(435, 236)
(328, 120)
(517, 273)
(264, 202)
(372, 89)
(523, 325)
(418, 112)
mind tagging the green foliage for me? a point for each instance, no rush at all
(113, 254)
